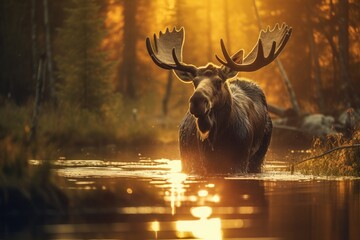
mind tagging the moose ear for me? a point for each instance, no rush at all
(184, 76)
(227, 72)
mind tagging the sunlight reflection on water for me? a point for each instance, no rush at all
(216, 207)
(165, 175)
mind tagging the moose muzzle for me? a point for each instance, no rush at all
(199, 104)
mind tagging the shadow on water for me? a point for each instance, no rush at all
(152, 199)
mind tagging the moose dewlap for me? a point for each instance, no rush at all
(227, 128)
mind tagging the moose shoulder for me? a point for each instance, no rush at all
(227, 127)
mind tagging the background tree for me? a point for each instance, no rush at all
(172, 17)
(15, 45)
(343, 33)
(127, 76)
(82, 67)
(34, 39)
(334, 29)
(284, 75)
(313, 58)
(48, 49)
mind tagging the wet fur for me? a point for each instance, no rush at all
(238, 136)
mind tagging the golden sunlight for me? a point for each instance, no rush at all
(155, 227)
(201, 212)
(177, 190)
(113, 23)
(203, 193)
(175, 166)
(203, 228)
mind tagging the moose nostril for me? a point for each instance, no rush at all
(197, 97)
(199, 105)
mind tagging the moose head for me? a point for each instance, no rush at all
(209, 81)
(215, 99)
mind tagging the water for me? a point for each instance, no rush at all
(151, 199)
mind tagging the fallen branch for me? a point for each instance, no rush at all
(277, 110)
(327, 152)
(323, 154)
(285, 127)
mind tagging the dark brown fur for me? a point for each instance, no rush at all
(227, 128)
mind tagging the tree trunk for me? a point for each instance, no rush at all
(48, 50)
(14, 77)
(344, 53)
(316, 70)
(289, 87)
(314, 56)
(284, 75)
(4, 86)
(33, 39)
(317, 73)
(333, 45)
(39, 84)
(127, 81)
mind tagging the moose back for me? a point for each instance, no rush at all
(227, 128)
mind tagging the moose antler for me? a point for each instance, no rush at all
(270, 44)
(168, 50)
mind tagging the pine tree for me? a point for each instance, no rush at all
(83, 68)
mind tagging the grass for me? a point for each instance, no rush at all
(119, 123)
(122, 123)
(13, 120)
(343, 162)
(23, 190)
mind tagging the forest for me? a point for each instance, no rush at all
(76, 73)
(81, 101)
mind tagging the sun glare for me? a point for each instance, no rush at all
(175, 166)
(204, 228)
(201, 212)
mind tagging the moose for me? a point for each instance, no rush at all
(227, 128)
